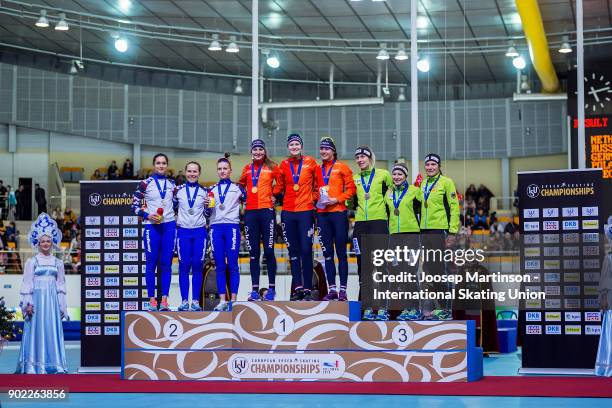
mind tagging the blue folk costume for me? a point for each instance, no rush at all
(43, 287)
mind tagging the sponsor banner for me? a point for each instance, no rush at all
(592, 316)
(111, 220)
(550, 226)
(534, 329)
(570, 212)
(590, 250)
(571, 329)
(532, 252)
(552, 316)
(533, 304)
(573, 317)
(551, 251)
(571, 264)
(130, 257)
(92, 294)
(130, 281)
(531, 213)
(590, 211)
(571, 251)
(532, 264)
(553, 329)
(286, 366)
(130, 244)
(552, 264)
(590, 224)
(569, 225)
(130, 293)
(591, 276)
(531, 239)
(552, 290)
(530, 226)
(111, 318)
(591, 303)
(552, 277)
(590, 237)
(533, 316)
(550, 238)
(92, 245)
(572, 303)
(534, 277)
(571, 290)
(92, 233)
(592, 330)
(592, 264)
(111, 245)
(571, 277)
(92, 269)
(92, 318)
(550, 213)
(110, 230)
(92, 330)
(92, 220)
(111, 269)
(590, 290)
(552, 303)
(571, 238)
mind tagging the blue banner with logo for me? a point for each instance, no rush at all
(562, 216)
(112, 268)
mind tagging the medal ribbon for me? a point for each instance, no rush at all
(222, 196)
(195, 195)
(255, 177)
(397, 203)
(366, 188)
(427, 192)
(326, 177)
(162, 194)
(296, 177)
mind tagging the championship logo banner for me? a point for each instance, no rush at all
(561, 213)
(111, 280)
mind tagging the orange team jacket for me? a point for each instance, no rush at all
(304, 198)
(263, 197)
(340, 186)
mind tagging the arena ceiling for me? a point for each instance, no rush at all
(465, 40)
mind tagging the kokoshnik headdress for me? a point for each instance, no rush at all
(44, 225)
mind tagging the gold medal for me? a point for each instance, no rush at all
(396, 211)
(254, 190)
(296, 187)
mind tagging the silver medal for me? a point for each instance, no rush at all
(221, 207)
(163, 203)
(191, 212)
(367, 196)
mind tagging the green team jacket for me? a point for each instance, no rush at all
(374, 208)
(409, 207)
(442, 210)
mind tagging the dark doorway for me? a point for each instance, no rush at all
(24, 199)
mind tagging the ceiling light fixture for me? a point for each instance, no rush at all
(423, 64)
(43, 21)
(565, 47)
(401, 53)
(519, 62)
(215, 45)
(512, 52)
(422, 22)
(125, 5)
(238, 89)
(383, 54)
(232, 46)
(62, 25)
(401, 97)
(121, 43)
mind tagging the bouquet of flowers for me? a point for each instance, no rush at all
(8, 330)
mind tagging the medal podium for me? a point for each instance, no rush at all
(295, 341)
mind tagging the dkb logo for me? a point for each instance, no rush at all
(95, 199)
(239, 365)
(533, 190)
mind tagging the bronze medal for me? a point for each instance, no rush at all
(425, 204)
(296, 187)
(396, 211)
(254, 190)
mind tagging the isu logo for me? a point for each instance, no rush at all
(239, 365)
(95, 199)
(533, 191)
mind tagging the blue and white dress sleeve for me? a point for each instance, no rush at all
(27, 286)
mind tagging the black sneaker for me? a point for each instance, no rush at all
(308, 296)
(297, 295)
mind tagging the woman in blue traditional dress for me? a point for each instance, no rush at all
(43, 303)
(603, 363)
